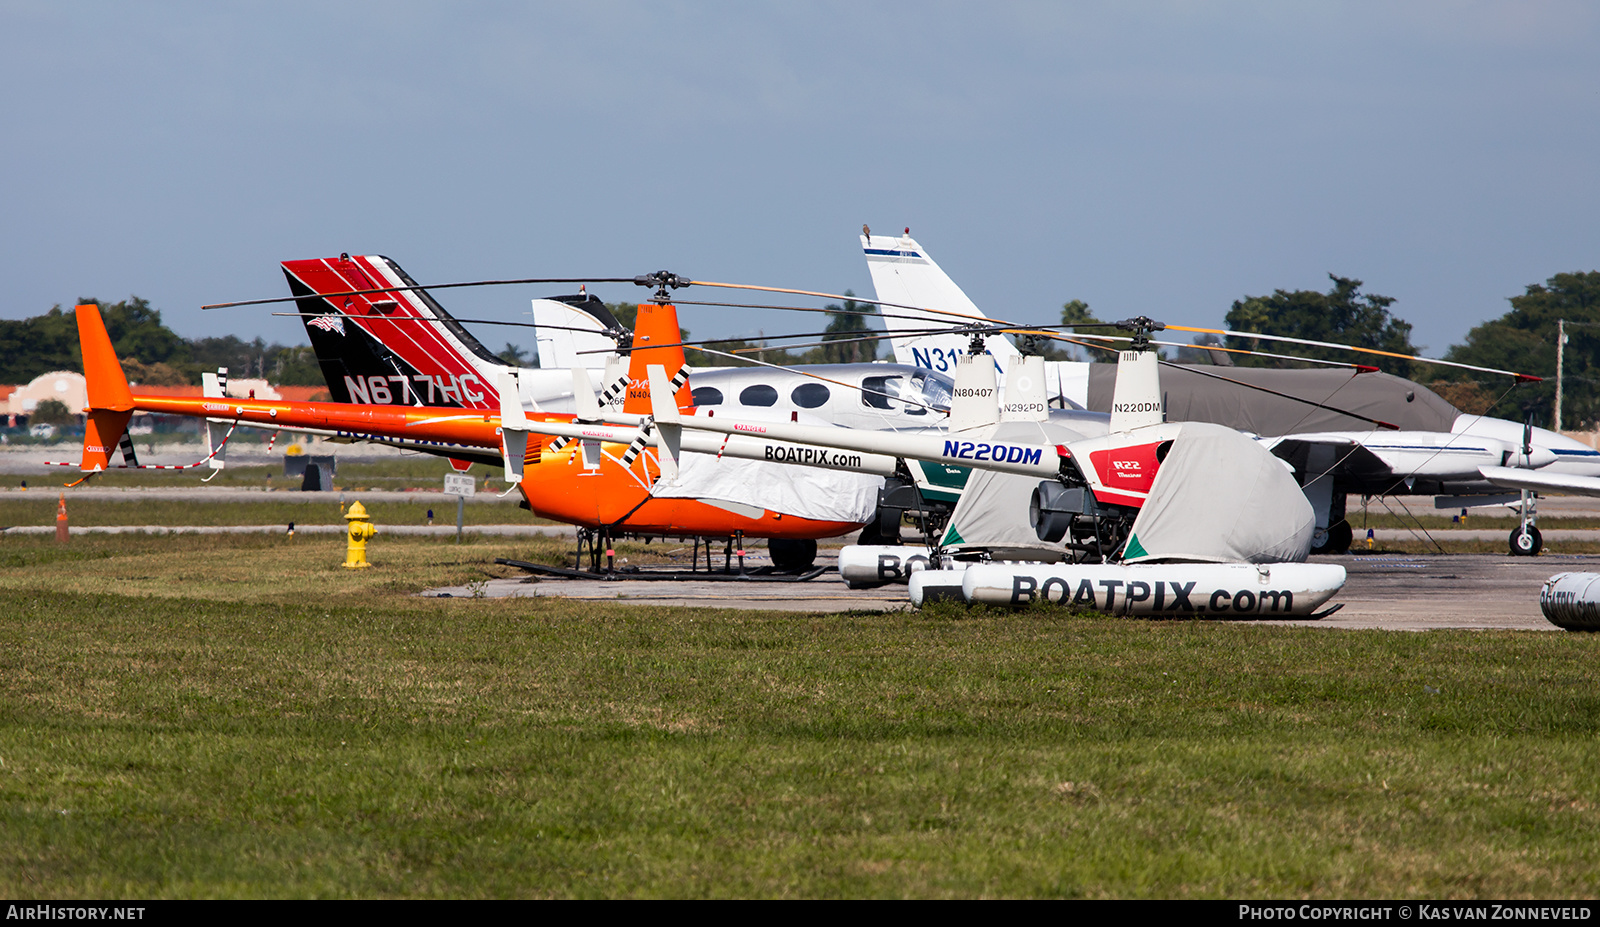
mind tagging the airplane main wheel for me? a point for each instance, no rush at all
(1336, 540)
(1526, 542)
(792, 555)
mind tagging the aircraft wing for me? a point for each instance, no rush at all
(1430, 455)
(1340, 453)
(1539, 481)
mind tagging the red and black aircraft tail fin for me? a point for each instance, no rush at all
(388, 346)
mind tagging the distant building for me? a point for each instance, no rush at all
(69, 389)
(63, 386)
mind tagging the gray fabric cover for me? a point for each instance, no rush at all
(992, 514)
(803, 492)
(1193, 397)
(1220, 497)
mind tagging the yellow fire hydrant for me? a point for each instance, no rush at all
(361, 531)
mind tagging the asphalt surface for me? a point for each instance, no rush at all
(439, 531)
(1431, 592)
(221, 494)
(1397, 593)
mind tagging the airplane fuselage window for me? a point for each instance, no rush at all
(890, 394)
(809, 395)
(758, 395)
(934, 390)
(875, 391)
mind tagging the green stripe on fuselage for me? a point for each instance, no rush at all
(940, 482)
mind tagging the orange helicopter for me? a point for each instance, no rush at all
(597, 477)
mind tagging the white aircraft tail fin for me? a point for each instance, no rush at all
(1026, 399)
(974, 403)
(616, 380)
(902, 272)
(513, 426)
(1136, 397)
(559, 346)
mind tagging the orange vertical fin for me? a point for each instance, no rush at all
(101, 432)
(110, 400)
(107, 385)
(655, 325)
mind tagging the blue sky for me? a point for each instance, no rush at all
(1157, 158)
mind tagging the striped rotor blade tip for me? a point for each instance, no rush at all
(636, 446)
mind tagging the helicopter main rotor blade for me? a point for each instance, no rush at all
(871, 302)
(403, 289)
(1359, 368)
(1521, 377)
(412, 318)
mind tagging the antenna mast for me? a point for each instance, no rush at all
(1561, 344)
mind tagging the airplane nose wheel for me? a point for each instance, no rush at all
(1525, 538)
(1526, 541)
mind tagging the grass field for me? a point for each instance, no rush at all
(238, 716)
(40, 509)
(397, 472)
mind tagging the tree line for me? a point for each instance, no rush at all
(1522, 340)
(151, 353)
(154, 355)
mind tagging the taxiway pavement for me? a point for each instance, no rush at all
(1388, 592)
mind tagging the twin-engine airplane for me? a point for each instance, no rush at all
(724, 488)
(1368, 434)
